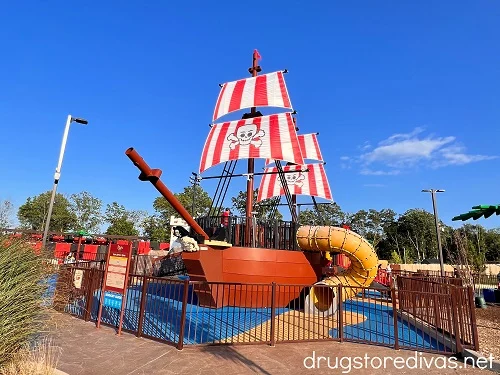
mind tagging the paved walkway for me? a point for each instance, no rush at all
(92, 351)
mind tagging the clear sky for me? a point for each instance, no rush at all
(405, 94)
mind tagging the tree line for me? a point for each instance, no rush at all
(409, 237)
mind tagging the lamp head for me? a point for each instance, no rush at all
(80, 120)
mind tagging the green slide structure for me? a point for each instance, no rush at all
(479, 211)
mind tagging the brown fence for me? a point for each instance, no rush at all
(447, 308)
(182, 312)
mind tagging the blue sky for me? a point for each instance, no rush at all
(404, 94)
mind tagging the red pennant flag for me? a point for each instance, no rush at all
(257, 54)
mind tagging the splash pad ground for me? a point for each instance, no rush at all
(363, 320)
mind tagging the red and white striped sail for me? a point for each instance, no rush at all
(309, 147)
(267, 90)
(272, 136)
(312, 183)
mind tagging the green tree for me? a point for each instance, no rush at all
(417, 231)
(156, 228)
(474, 242)
(378, 221)
(121, 221)
(6, 210)
(492, 243)
(326, 214)
(395, 258)
(88, 211)
(263, 208)
(202, 202)
(33, 212)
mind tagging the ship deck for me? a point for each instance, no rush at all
(259, 234)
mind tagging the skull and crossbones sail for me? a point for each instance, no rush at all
(312, 183)
(309, 148)
(246, 135)
(294, 178)
(272, 136)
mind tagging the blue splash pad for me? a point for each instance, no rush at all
(163, 310)
(162, 316)
(379, 327)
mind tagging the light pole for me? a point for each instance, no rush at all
(436, 221)
(195, 180)
(57, 174)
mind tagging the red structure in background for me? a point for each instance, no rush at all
(62, 244)
(384, 277)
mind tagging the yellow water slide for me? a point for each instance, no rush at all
(361, 273)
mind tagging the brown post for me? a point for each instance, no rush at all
(101, 299)
(472, 308)
(78, 248)
(395, 317)
(142, 308)
(437, 317)
(89, 295)
(180, 344)
(125, 289)
(153, 176)
(254, 70)
(341, 315)
(454, 316)
(273, 314)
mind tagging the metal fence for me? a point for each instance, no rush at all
(447, 309)
(182, 312)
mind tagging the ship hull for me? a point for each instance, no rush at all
(242, 276)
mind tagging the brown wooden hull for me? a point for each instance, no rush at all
(254, 266)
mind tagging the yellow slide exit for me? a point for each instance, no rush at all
(363, 269)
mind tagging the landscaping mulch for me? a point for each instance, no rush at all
(488, 327)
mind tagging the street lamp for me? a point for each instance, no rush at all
(57, 174)
(195, 180)
(436, 221)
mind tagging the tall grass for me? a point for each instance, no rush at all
(40, 359)
(23, 313)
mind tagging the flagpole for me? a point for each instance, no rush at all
(254, 70)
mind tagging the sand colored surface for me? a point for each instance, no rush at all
(296, 325)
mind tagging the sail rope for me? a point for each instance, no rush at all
(222, 187)
(286, 190)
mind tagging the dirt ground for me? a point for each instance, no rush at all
(488, 327)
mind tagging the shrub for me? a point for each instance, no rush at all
(395, 258)
(22, 292)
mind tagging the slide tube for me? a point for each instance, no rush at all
(361, 273)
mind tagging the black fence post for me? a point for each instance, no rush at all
(180, 344)
(454, 316)
(395, 317)
(142, 308)
(472, 309)
(341, 314)
(273, 314)
(89, 295)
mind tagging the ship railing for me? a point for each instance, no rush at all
(252, 232)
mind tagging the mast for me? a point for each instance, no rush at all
(294, 196)
(254, 70)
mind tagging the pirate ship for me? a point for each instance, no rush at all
(247, 250)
